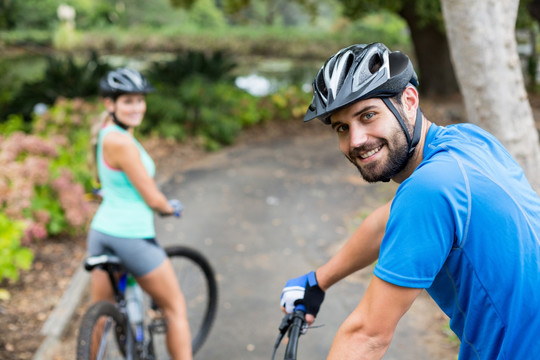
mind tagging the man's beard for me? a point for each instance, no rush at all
(397, 159)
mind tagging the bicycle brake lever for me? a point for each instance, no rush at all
(283, 327)
(285, 323)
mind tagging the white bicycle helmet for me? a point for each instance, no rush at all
(361, 72)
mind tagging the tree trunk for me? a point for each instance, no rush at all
(436, 73)
(484, 52)
(534, 9)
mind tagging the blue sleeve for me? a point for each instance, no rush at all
(428, 217)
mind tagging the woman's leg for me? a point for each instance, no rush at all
(163, 286)
(101, 288)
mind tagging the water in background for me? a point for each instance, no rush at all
(257, 75)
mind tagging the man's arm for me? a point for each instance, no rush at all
(367, 332)
(361, 250)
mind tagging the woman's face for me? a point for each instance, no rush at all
(128, 108)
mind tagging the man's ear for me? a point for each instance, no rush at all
(109, 105)
(410, 100)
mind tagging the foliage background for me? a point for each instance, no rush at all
(191, 50)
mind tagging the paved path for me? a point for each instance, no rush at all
(266, 212)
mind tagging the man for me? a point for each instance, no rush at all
(464, 223)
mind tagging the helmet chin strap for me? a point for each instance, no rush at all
(117, 122)
(417, 126)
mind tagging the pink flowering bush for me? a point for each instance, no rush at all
(71, 196)
(30, 190)
(43, 178)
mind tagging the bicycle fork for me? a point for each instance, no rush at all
(157, 326)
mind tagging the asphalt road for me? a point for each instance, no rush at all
(268, 211)
(263, 213)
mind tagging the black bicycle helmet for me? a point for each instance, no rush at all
(124, 81)
(361, 72)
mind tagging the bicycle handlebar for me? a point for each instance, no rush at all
(294, 323)
(295, 331)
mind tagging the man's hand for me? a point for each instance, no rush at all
(303, 290)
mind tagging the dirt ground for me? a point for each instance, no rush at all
(39, 289)
(36, 294)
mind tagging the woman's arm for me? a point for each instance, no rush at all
(121, 153)
(361, 250)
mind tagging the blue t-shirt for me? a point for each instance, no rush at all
(123, 212)
(466, 227)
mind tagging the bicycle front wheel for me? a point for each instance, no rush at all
(198, 284)
(103, 333)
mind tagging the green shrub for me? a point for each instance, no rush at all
(217, 112)
(13, 256)
(285, 104)
(196, 97)
(200, 108)
(14, 123)
(205, 14)
(215, 67)
(383, 26)
(64, 77)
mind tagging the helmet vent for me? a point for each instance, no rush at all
(344, 71)
(321, 87)
(375, 63)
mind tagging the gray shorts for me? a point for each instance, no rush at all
(139, 256)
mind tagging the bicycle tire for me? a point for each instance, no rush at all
(199, 286)
(113, 339)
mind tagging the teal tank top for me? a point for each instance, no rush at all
(123, 212)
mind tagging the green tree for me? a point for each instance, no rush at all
(268, 12)
(42, 14)
(7, 14)
(424, 18)
(204, 13)
(528, 15)
(28, 14)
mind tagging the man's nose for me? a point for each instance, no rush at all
(358, 136)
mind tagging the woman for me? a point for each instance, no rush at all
(124, 222)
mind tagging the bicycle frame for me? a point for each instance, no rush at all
(119, 288)
(113, 265)
(183, 258)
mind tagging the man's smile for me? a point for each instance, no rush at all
(369, 153)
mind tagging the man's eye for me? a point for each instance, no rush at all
(369, 115)
(341, 128)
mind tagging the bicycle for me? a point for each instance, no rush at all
(296, 325)
(107, 327)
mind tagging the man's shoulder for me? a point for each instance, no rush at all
(452, 151)
(435, 185)
(460, 136)
(440, 168)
